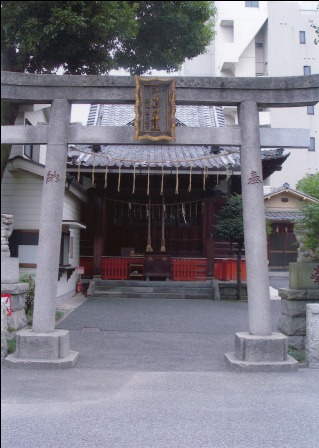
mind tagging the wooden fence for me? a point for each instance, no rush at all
(119, 268)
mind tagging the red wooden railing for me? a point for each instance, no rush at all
(114, 269)
(183, 270)
(189, 269)
(226, 269)
(118, 268)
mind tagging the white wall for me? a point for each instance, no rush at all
(21, 196)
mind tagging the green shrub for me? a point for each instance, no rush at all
(59, 315)
(299, 355)
(11, 345)
(29, 297)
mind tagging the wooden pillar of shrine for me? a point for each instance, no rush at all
(208, 240)
(98, 240)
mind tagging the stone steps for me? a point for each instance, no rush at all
(152, 290)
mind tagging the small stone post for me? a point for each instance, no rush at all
(43, 345)
(312, 335)
(4, 327)
(10, 278)
(259, 349)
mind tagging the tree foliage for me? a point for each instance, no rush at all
(309, 185)
(93, 37)
(307, 227)
(229, 224)
(316, 28)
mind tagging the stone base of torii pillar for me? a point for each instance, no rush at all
(261, 354)
(48, 350)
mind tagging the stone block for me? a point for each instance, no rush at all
(227, 291)
(312, 336)
(14, 288)
(31, 345)
(299, 294)
(289, 365)
(17, 320)
(9, 270)
(293, 308)
(17, 301)
(292, 321)
(261, 348)
(301, 275)
(261, 354)
(298, 342)
(17, 292)
(292, 326)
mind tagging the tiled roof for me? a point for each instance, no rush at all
(201, 157)
(156, 156)
(283, 216)
(285, 188)
(124, 114)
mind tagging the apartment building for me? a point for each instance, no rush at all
(268, 38)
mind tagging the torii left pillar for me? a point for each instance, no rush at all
(260, 349)
(43, 345)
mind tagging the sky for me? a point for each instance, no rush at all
(80, 113)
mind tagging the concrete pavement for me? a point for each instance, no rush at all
(151, 374)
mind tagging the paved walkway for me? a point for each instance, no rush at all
(151, 374)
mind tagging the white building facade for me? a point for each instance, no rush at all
(21, 197)
(268, 38)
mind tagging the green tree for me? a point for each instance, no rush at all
(230, 226)
(94, 37)
(316, 28)
(309, 185)
(307, 228)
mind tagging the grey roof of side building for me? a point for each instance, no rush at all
(285, 188)
(283, 216)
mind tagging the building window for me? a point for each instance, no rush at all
(65, 249)
(28, 148)
(302, 37)
(306, 70)
(310, 110)
(23, 244)
(252, 4)
(259, 45)
(312, 144)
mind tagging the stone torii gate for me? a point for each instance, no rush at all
(257, 349)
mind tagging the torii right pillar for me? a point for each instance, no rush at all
(259, 349)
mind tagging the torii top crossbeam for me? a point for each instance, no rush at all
(265, 92)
